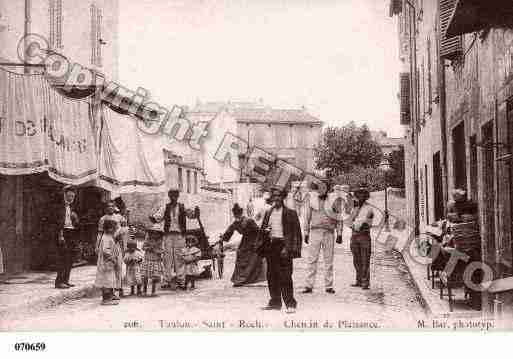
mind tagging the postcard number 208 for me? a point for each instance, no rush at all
(26, 347)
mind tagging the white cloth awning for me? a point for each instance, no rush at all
(41, 130)
(130, 160)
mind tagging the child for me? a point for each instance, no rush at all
(152, 263)
(121, 239)
(108, 263)
(133, 259)
(191, 255)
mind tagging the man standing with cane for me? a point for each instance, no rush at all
(280, 242)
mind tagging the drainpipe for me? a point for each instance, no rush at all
(26, 31)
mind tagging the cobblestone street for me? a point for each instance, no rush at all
(392, 302)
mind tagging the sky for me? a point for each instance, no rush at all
(338, 58)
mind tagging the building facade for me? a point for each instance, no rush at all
(457, 96)
(86, 33)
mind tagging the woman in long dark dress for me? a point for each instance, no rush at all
(249, 266)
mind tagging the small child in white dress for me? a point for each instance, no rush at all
(133, 260)
(191, 255)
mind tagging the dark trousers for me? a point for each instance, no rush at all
(361, 249)
(65, 253)
(279, 277)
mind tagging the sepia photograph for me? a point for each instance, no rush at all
(256, 166)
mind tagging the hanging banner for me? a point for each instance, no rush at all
(41, 130)
(130, 160)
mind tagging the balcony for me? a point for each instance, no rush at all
(476, 15)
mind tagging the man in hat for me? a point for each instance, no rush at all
(361, 219)
(67, 225)
(283, 240)
(322, 225)
(173, 218)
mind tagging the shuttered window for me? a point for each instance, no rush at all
(396, 7)
(96, 35)
(429, 78)
(451, 48)
(55, 22)
(405, 98)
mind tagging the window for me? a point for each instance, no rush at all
(195, 182)
(405, 98)
(421, 195)
(423, 85)
(473, 168)
(429, 79)
(55, 15)
(96, 35)
(188, 181)
(180, 179)
(451, 48)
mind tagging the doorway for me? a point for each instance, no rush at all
(438, 196)
(488, 192)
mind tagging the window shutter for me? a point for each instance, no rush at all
(58, 24)
(396, 7)
(450, 47)
(51, 15)
(99, 35)
(55, 22)
(405, 98)
(93, 34)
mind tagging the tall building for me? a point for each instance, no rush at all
(290, 134)
(456, 101)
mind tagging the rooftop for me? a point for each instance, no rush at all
(257, 112)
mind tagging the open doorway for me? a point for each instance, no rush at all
(459, 156)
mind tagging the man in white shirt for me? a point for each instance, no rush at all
(321, 226)
(67, 224)
(173, 219)
(283, 243)
(361, 219)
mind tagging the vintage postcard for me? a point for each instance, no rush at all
(256, 165)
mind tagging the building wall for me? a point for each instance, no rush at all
(292, 142)
(22, 214)
(76, 30)
(477, 89)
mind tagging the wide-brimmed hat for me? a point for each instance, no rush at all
(282, 191)
(156, 227)
(237, 208)
(362, 188)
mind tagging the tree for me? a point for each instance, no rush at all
(342, 149)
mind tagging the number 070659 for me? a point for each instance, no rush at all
(26, 347)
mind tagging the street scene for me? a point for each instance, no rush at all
(218, 165)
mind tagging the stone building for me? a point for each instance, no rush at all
(456, 101)
(85, 33)
(387, 144)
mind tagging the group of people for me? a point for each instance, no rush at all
(280, 236)
(170, 255)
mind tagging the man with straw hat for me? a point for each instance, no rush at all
(361, 219)
(172, 218)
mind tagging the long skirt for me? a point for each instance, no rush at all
(249, 266)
